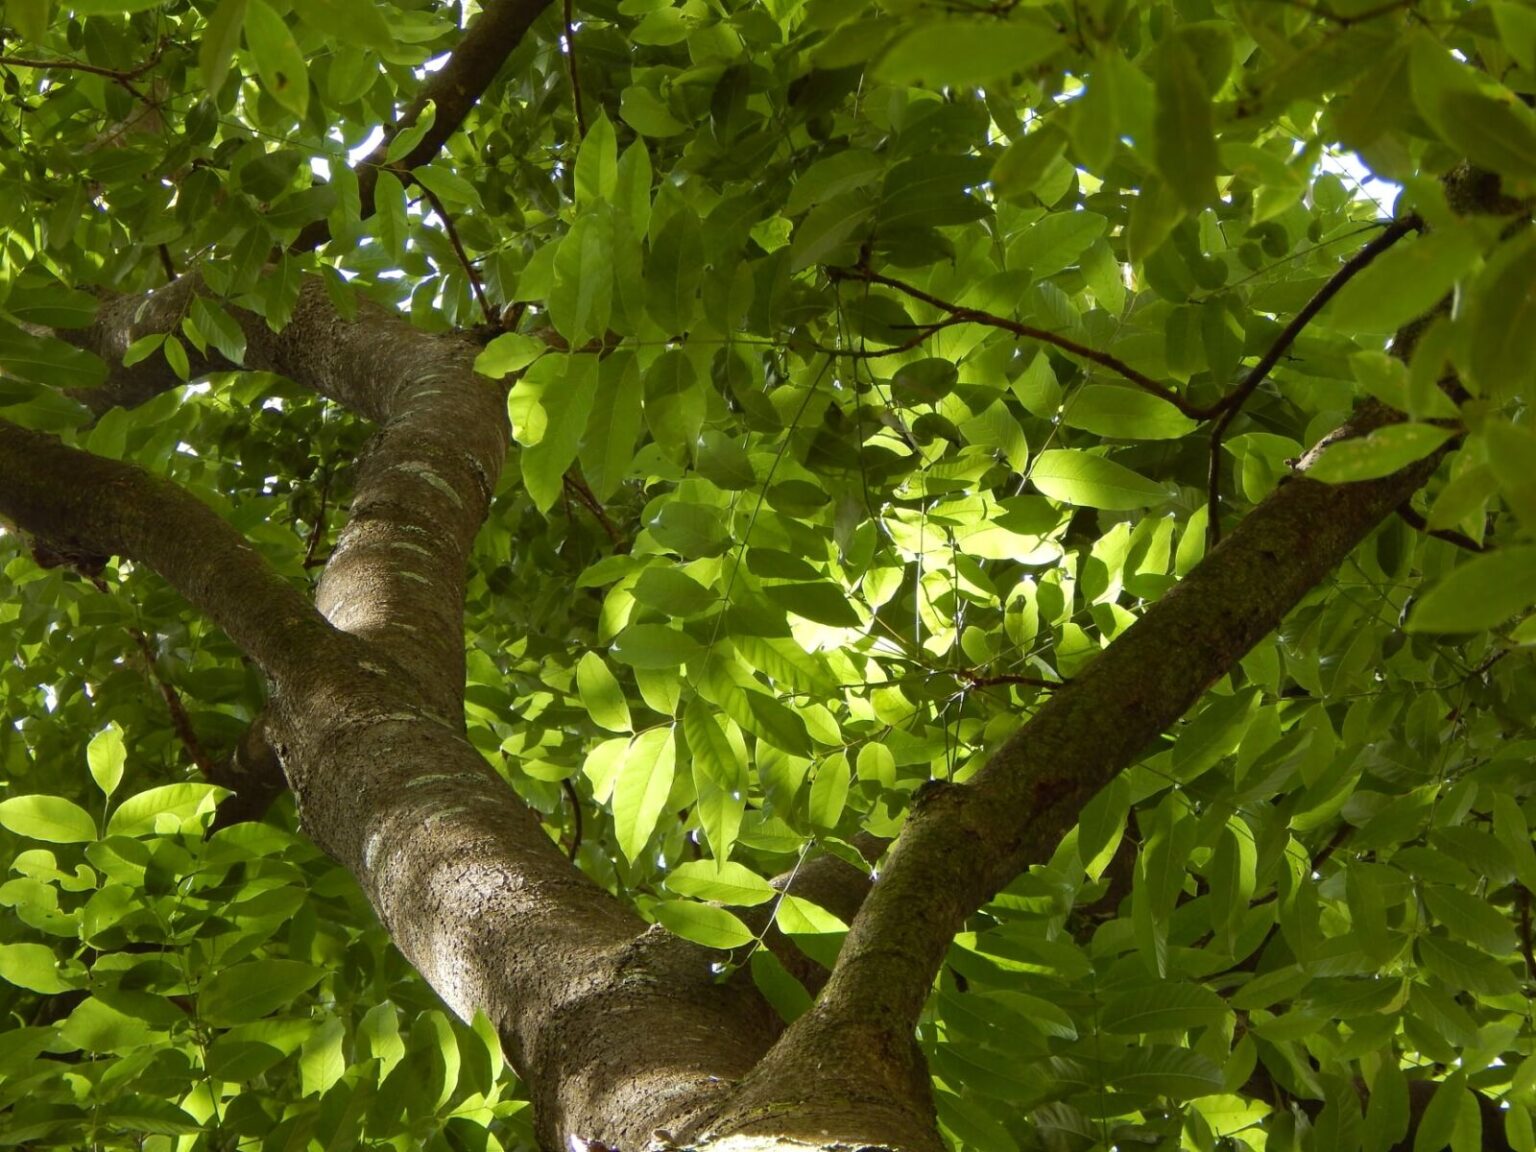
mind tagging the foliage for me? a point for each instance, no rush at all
(864, 360)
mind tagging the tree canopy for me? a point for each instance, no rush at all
(646, 575)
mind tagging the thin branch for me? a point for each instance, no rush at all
(570, 58)
(959, 315)
(180, 721)
(458, 250)
(570, 793)
(1526, 951)
(454, 90)
(577, 487)
(1231, 404)
(317, 530)
(980, 680)
(1417, 522)
(122, 76)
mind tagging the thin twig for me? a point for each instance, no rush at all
(180, 721)
(1232, 403)
(317, 530)
(570, 792)
(923, 332)
(122, 76)
(959, 314)
(570, 58)
(458, 250)
(1417, 522)
(978, 680)
(577, 487)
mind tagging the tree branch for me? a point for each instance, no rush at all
(454, 90)
(92, 504)
(963, 843)
(1232, 403)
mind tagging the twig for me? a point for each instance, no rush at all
(570, 792)
(978, 680)
(1417, 522)
(923, 332)
(962, 315)
(166, 263)
(1524, 900)
(458, 250)
(577, 487)
(454, 90)
(318, 528)
(180, 721)
(122, 76)
(1232, 403)
(570, 59)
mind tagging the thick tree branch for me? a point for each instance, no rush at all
(90, 504)
(962, 844)
(454, 90)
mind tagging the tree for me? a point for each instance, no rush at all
(729, 575)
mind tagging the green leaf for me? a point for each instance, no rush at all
(608, 449)
(1024, 163)
(724, 883)
(404, 142)
(642, 111)
(165, 809)
(176, 356)
(220, 328)
(45, 360)
(1178, 1073)
(1503, 360)
(963, 52)
(829, 791)
(601, 695)
(597, 163)
(581, 301)
(1076, 477)
(49, 818)
(32, 966)
(787, 995)
(672, 591)
(106, 755)
(775, 723)
(1482, 593)
(701, 923)
(690, 530)
(29, 17)
(1464, 967)
(1383, 452)
(279, 62)
(822, 602)
(829, 229)
(389, 207)
(349, 22)
(654, 646)
(828, 179)
(719, 778)
(510, 352)
(1160, 1008)
(640, 789)
(1185, 142)
(447, 185)
(1405, 282)
(673, 271)
(1124, 413)
(1055, 242)
(567, 405)
(249, 991)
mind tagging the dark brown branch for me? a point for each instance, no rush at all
(180, 721)
(570, 58)
(577, 488)
(1232, 403)
(454, 90)
(1419, 524)
(317, 530)
(458, 250)
(570, 794)
(1523, 898)
(90, 504)
(961, 315)
(979, 680)
(121, 76)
